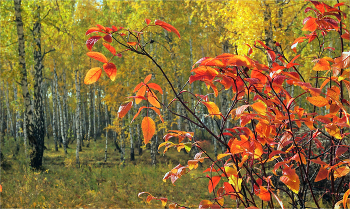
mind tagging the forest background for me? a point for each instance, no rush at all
(110, 150)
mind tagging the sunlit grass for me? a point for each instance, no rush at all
(96, 183)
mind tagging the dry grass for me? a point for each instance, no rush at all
(96, 183)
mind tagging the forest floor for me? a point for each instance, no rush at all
(99, 184)
(96, 183)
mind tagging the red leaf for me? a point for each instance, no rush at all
(92, 75)
(110, 48)
(148, 129)
(250, 51)
(262, 44)
(91, 41)
(108, 38)
(97, 56)
(341, 150)
(213, 182)
(272, 55)
(148, 21)
(91, 30)
(167, 27)
(124, 109)
(111, 70)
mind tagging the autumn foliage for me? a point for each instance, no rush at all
(277, 144)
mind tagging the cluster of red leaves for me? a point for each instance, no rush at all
(261, 101)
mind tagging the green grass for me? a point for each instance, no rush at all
(96, 183)
(101, 184)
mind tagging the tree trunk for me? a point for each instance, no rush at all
(139, 139)
(37, 154)
(122, 144)
(89, 116)
(83, 136)
(94, 111)
(64, 108)
(80, 126)
(60, 112)
(28, 108)
(43, 92)
(106, 119)
(98, 106)
(17, 123)
(9, 125)
(1, 120)
(77, 118)
(53, 91)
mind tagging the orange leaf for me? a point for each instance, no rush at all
(91, 30)
(138, 112)
(212, 108)
(264, 194)
(148, 78)
(92, 75)
(341, 171)
(132, 43)
(238, 60)
(345, 197)
(205, 204)
(152, 99)
(148, 21)
(213, 182)
(167, 27)
(322, 65)
(101, 27)
(259, 107)
(0, 188)
(148, 129)
(138, 86)
(141, 92)
(310, 25)
(111, 70)
(192, 164)
(291, 179)
(155, 87)
(322, 174)
(124, 109)
(110, 48)
(318, 101)
(97, 56)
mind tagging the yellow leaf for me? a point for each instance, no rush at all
(333, 130)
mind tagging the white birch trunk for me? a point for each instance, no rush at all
(77, 118)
